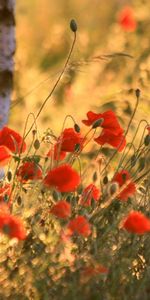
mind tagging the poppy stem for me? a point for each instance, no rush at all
(131, 145)
(142, 176)
(55, 85)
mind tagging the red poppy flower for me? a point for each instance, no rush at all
(5, 156)
(5, 192)
(61, 209)
(136, 222)
(110, 121)
(29, 170)
(63, 178)
(79, 225)
(69, 139)
(12, 140)
(127, 20)
(12, 226)
(56, 153)
(107, 137)
(122, 177)
(89, 193)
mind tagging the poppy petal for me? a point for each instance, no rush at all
(136, 222)
(12, 140)
(63, 178)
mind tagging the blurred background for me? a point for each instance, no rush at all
(110, 60)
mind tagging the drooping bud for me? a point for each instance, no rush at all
(76, 128)
(98, 123)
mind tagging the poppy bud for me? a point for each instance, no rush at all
(73, 25)
(97, 123)
(105, 180)
(137, 93)
(36, 144)
(147, 140)
(19, 200)
(76, 127)
(56, 195)
(113, 188)
(142, 190)
(9, 175)
(95, 176)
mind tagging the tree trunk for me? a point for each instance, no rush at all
(7, 50)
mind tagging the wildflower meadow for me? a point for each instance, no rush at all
(74, 203)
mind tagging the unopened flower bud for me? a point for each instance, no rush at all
(56, 195)
(147, 140)
(9, 175)
(73, 25)
(19, 200)
(36, 144)
(137, 93)
(95, 176)
(76, 127)
(113, 188)
(105, 180)
(98, 123)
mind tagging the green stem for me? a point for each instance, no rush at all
(55, 85)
